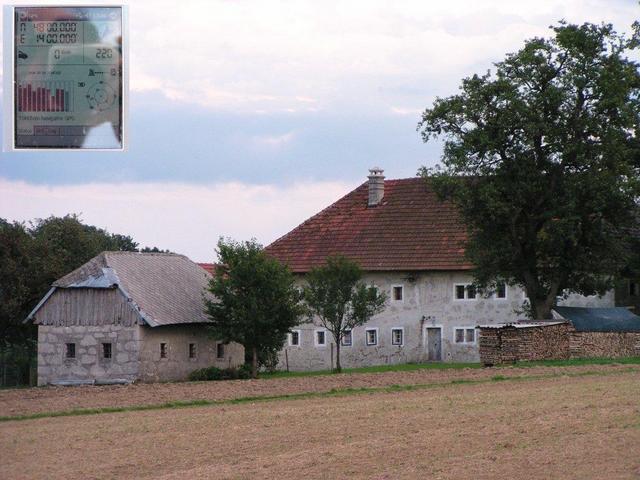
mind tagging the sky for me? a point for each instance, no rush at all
(247, 117)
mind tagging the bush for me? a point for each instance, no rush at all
(215, 373)
(208, 373)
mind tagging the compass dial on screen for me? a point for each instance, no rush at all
(101, 96)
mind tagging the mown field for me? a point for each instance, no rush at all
(581, 423)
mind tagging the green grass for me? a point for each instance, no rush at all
(335, 392)
(407, 367)
(404, 367)
(580, 361)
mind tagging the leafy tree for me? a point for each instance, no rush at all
(338, 297)
(154, 250)
(255, 302)
(18, 270)
(543, 161)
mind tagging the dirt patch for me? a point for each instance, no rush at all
(561, 428)
(50, 399)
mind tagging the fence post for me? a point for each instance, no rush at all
(286, 359)
(332, 357)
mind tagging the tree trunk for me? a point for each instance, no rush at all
(541, 310)
(254, 362)
(338, 366)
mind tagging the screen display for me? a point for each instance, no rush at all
(68, 77)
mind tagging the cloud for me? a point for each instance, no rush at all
(273, 141)
(183, 218)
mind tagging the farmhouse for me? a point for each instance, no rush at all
(126, 316)
(576, 333)
(410, 245)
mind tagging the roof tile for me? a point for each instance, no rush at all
(411, 229)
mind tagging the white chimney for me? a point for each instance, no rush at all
(376, 186)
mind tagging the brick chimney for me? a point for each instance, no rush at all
(376, 186)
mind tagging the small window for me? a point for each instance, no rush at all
(465, 291)
(465, 335)
(470, 335)
(397, 336)
(347, 338)
(220, 350)
(372, 337)
(163, 350)
(501, 290)
(294, 338)
(70, 351)
(192, 350)
(106, 350)
(321, 338)
(397, 293)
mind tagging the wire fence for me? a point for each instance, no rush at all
(18, 365)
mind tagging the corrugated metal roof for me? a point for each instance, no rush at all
(520, 325)
(614, 319)
(164, 288)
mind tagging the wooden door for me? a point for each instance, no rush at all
(434, 344)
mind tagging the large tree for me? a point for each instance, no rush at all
(543, 160)
(255, 301)
(336, 295)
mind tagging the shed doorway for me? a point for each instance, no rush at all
(434, 344)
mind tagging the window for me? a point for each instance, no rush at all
(470, 335)
(294, 338)
(634, 289)
(501, 291)
(220, 350)
(163, 350)
(106, 350)
(464, 335)
(70, 351)
(192, 350)
(464, 291)
(372, 336)
(397, 336)
(347, 338)
(397, 293)
(321, 338)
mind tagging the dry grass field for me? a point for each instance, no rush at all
(578, 427)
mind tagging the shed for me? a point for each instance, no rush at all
(126, 316)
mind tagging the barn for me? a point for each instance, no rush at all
(124, 317)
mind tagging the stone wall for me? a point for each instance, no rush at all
(89, 363)
(604, 344)
(177, 365)
(510, 344)
(428, 302)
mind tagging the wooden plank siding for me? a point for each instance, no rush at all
(86, 306)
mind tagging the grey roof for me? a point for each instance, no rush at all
(165, 288)
(520, 325)
(615, 319)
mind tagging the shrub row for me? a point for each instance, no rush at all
(215, 373)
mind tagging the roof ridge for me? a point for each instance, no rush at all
(148, 254)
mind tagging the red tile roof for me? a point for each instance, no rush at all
(409, 230)
(209, 267)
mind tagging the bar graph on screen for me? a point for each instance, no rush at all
(50, 96)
